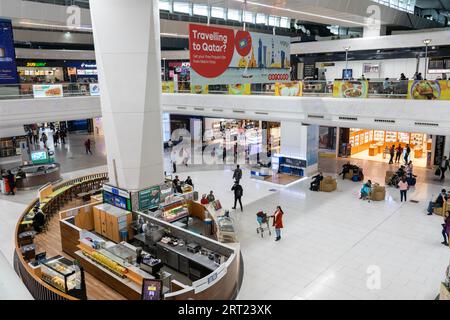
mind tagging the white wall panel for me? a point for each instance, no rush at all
(404, 112)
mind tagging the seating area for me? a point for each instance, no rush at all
(51, 203)
(328, 184)
(354, 173)
(378, 193)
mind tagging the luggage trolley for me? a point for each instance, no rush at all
(263, 221)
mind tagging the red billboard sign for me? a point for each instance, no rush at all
(211, 49)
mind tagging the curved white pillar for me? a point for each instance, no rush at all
(127, 50)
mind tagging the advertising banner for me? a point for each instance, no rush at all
(240, 89)
(289, 89)
(351, 89)
(199, 89)
(225, 56)
(429, 89)
(94, 89)
(149, 198)
(168, 87)
(48, 91)
(8, 68)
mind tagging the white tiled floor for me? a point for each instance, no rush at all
(329, 241)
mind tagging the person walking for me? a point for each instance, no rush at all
(44, 139)
(174, 166)
(403, 185)
(62, 135)
(11, 182)
(224, 155)
(278, 222)
(237, 174)
(392, 153)
(446, 229)
(35, 136)
(398, 154)
(56, 138)
(238, 193)
(444, 166)
(87, 146)
(407, 153)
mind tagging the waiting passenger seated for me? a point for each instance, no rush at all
(439, 203)
(38, 219)
(21, 174)
(315, 184)
(366, 190)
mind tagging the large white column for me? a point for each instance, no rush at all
(127, 50)
(301, 141)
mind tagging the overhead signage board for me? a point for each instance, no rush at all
(48, 91)
(8, 68)
(149, 198)
(225, 56)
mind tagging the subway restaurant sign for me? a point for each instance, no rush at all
(36, 64)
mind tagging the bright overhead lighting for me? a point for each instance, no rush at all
(301, 12)
(174, 35)
(347, 48)
(54, 26)
(427, 41)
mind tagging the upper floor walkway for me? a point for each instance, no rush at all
(400, 106)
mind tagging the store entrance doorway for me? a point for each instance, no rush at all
(374, 145)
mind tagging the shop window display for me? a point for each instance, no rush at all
(375, 144)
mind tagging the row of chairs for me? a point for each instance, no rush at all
(83, 184)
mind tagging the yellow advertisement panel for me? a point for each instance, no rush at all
(199, 89)
(289, 89)
(168, 87)
(350, 89)
(239, 89)
(429, 89)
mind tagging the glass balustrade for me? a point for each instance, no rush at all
(308, 88)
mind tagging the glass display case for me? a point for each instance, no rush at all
(403, 137)
(64, 275)
(378, 136)
(391, 136)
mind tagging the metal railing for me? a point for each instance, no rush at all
(319, 88)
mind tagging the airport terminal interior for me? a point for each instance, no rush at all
(224, 150)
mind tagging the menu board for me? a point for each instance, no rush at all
(115, 200)
(151, 289)
(149, 198)
(295, 162)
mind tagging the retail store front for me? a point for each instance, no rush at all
(40, 71)
(250, 134)
(366, 144)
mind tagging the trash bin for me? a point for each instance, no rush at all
(208, 226)
(124, 235)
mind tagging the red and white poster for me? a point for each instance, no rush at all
(211, 49)
(225, 56)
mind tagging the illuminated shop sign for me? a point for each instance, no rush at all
(36, 64)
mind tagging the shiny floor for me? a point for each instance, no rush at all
(333, 246)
